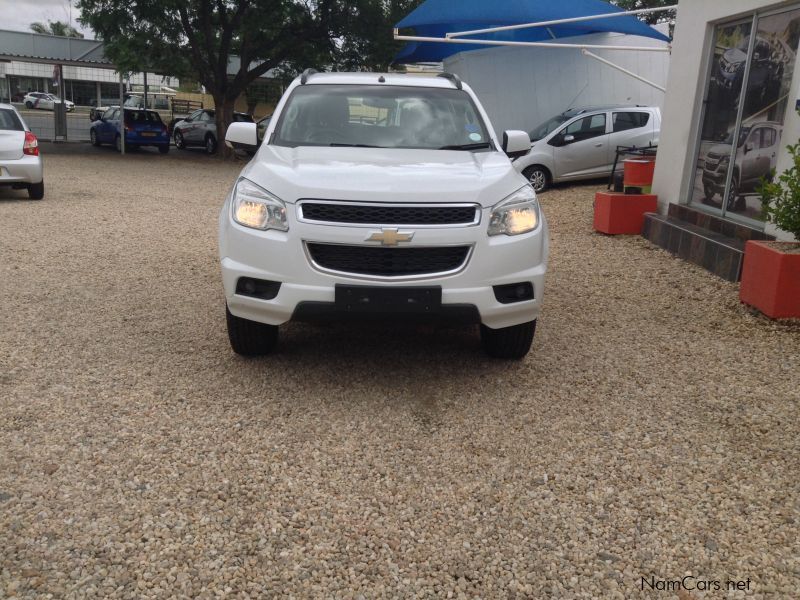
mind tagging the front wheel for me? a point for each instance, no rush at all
(211, 144)
(180, 144)
(29, 104)
(36, 191)
(538, 177)
(250, 338)
(508, 342)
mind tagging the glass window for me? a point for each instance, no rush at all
(9, 121)
(381, 116)
(623, 121)
(587, 127)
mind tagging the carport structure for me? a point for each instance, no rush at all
(59, 52)
(444, 28)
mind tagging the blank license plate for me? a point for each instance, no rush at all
(149, 134)
(405, 300)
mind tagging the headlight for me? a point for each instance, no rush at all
(519, 213)
(255, 207)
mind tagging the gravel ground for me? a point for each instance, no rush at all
(652, 431)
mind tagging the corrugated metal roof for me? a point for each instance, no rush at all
(37, 47)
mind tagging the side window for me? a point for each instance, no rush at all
(587, 127)
(196, 114)
(111, 114)
(768, 137)
(623, 121)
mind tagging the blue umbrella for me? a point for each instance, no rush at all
(435, 18)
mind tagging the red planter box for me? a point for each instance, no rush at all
(616, 213)
(771, 279)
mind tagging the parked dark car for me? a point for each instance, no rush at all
(766, 73)
(200, 129)
(142, 128)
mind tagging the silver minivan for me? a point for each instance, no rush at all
(581, 143)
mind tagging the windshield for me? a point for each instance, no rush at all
(548, 127)
(381, 117)
(742, 136)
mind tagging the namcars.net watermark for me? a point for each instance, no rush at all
(690, 583)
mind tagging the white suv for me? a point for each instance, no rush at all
(382, 196)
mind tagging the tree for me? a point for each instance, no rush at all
(367, 43)
(651, 18)
(198, 39)
(56, 28)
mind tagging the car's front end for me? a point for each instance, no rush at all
(487, 253)
(342, 231)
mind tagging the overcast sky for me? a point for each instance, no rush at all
(19, 14)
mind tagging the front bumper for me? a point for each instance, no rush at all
(281, 257)
(27, 169)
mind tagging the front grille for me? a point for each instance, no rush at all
(381, 214)
(388, 262)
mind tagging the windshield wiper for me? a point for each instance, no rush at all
(353, 145)
(477, 146)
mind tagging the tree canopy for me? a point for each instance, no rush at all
(652, 18)
(197, 39)
(55, 28)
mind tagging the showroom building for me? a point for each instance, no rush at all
(729, 114)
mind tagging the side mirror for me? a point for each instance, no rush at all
(516, 143)
(241, 133)
(568, 139)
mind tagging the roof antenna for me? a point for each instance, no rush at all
(572, 103)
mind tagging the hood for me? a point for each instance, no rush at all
(734, 56)
(719, 150)
(384, 174)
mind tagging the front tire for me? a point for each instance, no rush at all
(538, 177)
(180, 143)
(211, 144)
(36, 190)
(29, 104)
(250, 338)
(508, 342)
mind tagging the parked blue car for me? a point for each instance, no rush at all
(142, 128)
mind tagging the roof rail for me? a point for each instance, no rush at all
(306, 74)
(455, 79)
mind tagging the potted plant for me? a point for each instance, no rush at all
(771, 273)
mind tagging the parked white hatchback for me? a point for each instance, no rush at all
(382, 196)
(581, 143)
(45, 101)
(20, 163)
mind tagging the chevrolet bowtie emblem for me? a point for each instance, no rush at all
(391, 237)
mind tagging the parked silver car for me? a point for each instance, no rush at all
(200, 129)
(755, 159)
(20, 163)
(581, 143)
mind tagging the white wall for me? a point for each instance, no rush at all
(522, 87)
(691, 54)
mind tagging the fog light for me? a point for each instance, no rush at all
(514, 292)
(257, 288)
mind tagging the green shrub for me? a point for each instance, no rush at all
(780, 200)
